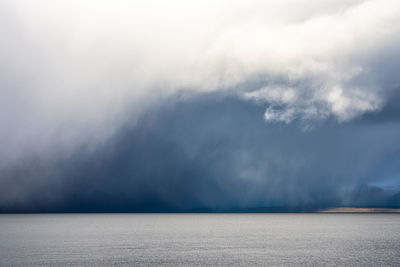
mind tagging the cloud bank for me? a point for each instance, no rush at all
(75, 74)
(214, 152)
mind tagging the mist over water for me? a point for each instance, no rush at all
(180, 105)
(215, 152)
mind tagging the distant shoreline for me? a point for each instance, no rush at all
(360, 210)
(216, 211)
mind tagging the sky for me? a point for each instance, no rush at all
(159, 106)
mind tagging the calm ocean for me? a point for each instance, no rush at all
(200, 239)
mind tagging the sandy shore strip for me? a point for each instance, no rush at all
(360, 210)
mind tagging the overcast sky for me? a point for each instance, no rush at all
(181, 105)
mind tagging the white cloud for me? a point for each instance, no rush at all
(70, 69)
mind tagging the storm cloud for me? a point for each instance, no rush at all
(180, 105)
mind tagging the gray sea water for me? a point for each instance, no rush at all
(200, 239)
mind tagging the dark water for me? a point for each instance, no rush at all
(200, 239)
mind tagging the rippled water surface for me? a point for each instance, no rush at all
(199, 239)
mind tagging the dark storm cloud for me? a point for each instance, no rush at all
(70, 70)
(215, 152)
(158, 106)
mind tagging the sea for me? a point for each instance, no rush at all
(220, 239)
